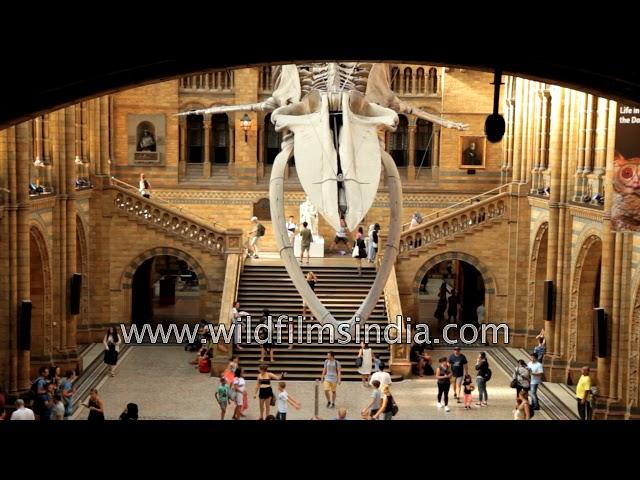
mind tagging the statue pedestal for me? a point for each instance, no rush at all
(316, 250)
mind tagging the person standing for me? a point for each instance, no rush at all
(522, 378)
(452, 311)
(459, 368)
(331, 376)
(222, 396)
(39, 390)
(57, 410)
(264, 391)
(583, 391)
(112, 344)
(386, 407)
(283, 401)
(312, 279)
(257, 231)
(480, 313)
(67, 391)
(362, 250)
(341, 236)
(541, 347)
(381, 376)
(536, 369)
(365, 365)
(144, 186)
(306, 238)
(291, 229)
(482, 376)
(95, 406)
(443, 378)
(376, 400)
(238, 393)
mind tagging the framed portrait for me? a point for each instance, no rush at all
(472, 151)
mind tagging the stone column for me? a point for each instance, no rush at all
(23, 158)
(609, 283)
(261, 147)
(69, 248)
(206, 167)
(597, 178)
(411, 165)
(517, 130)
(435, 152)
(182, 160)
(555, 164)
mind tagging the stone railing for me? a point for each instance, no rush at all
(445, 224)
(175, 222)
(222, 81)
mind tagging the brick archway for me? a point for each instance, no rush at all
(582, 269)
(130, 270)
(42, 332)
(126, 280)
(537, 270)
(488, 278)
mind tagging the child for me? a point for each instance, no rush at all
(376, 363)
(283, 400)
(222, 396)
(468, 386)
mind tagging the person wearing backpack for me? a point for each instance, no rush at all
(483, 375)
(39, 391)
(388, 408)
(257, 231)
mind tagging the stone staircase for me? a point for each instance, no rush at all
(171, 220)
(457, 221)
(339, 288)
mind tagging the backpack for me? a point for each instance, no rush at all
(261, 230)
(394, 407)
(487, 375)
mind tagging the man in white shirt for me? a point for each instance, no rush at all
(22, 413)
(383, 377)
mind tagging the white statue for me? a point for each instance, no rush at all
(309, 214)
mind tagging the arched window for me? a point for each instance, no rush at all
(195, 139)
(420, 80)
(433, 80)
(424, 143)
(265, 79)
(272, 140)
(399, 141)
(395, 79)
(408, 81)
(220, 143)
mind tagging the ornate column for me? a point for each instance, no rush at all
(21, 257)
(555, 164)
(69, 247)
(597, 177)
(206, 167)
(517, 130)
(435, 154)
(411, 164)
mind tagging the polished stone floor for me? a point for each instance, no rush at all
(165, 387)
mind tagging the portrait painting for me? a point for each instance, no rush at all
(472, 151)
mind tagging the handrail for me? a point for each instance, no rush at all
(189, 215)
(456, 206)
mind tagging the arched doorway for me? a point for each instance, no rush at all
(82, 267)
(165, 289)
(450, 292)
(537, 276)
(586, 297)
(40, 296)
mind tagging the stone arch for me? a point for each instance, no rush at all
(42, 334)
(82, 266)
(537, 275)
(488, 277)
(126, 278)
(582, 275)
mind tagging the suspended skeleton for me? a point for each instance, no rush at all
(334, 112)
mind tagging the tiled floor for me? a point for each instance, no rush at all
(165, 386)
